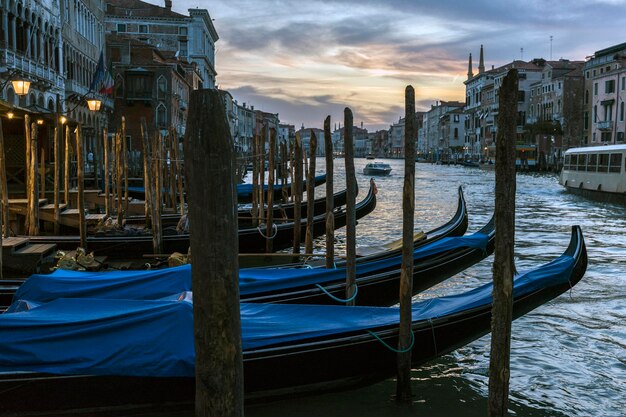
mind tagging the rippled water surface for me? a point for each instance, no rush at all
(568, 357)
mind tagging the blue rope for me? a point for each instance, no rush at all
(339, 300)
(393, 349)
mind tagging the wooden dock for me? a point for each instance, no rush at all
(67, 217)
(19, 255)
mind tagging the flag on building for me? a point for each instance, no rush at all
(102, 80)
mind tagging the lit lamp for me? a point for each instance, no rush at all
(10, 115)
(94, 104)
(21, 87)
(63, 119)
(39, 121)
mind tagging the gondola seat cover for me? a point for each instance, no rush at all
(155, 284)
(155, 337)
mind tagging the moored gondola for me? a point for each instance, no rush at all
(251, 240)
(145, 348)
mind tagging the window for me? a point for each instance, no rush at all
(623, 83)
(456, 133)
(609, 86)
(595, 114)
(182, 48)
(621, 112)
(143, 28)
(605, 136)
(587, 75)
(182, 31)
(456, 116)
(592, 162)
(161, 87)
(595, 89)
(615, 162)
(119, 86)
(603, 162)
(161, 116)
(586, 120)
(582, 162)
(121, 27)
(138, 87)
(586, 96)
(567, 162)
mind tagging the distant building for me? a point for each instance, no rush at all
(605, 93)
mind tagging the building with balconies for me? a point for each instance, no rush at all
(192, 38)
(605, 93)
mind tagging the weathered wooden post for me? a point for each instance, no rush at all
(42, 174)
(255, 179)
(33, 194)
(284, 173)
(310, 194)
(403, 387)
(118, 178)
(124, 151)
(80, 198)
(147, 177)
(330, 202)
(503, 264)
(107, 201)
(57, 174)
(27, 161)
(209, 168)
(351, 187)
(297, 207)
(66, 169)
(262, 136)
(155, 196)
(4, 188)
(270, 194)
(179, 177)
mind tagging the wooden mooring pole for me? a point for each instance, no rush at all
(297, 183)
(80, 198)
(124, 151)
(33, 194)
(66, 169)
(351, 187)
(4, 230)
(147, 177)
(403, 385)
(310, 194)
(107, 178)
(255, 178)
(209, 168)
(57, 175)
(270, 194)
(118, 178)
(330, 202)
(504, 263)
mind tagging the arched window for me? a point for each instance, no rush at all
(161, 116)
(161, 87)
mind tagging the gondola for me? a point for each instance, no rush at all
(142, 351)
(244, 191)
(440, 265)
(251, 240)
(377, 281)
(244, 214)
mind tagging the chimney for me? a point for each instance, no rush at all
(168, 4)
(470, 73)
(481, 62)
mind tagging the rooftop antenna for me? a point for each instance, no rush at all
(551, 37)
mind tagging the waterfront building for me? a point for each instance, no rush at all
(244, 127)
(192, 37)
(150, 84)
(396, 138)
(305, 138)
(440, 130)
(554, 119)
(605, 93)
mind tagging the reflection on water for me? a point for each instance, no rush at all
(568, 357)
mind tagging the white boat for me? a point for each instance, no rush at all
(596, 171)
(377, 168)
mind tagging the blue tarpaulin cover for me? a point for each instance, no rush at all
(155, 337)
(245, 190)
(154, 284)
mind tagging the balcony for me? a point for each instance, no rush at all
(39, 73)
(605, 125)
(73, 87)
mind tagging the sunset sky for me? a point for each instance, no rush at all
(308, 59)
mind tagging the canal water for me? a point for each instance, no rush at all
(568, 357)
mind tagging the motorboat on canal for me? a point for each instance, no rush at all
(142, 353)
(377, 169)
(597, 172)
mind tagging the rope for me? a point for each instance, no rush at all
(339, 300)
(274, 231)
(391, 348)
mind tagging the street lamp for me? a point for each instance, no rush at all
(20, 86)
(94, 104)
